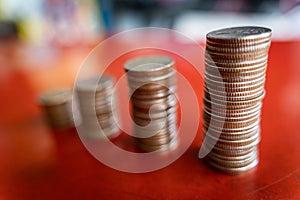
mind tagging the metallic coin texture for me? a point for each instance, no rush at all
(57, 106)
(96, 106)
(236, 63)
(152, 82)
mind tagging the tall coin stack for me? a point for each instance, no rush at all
(152, 84)
(96, 106)
(236, 62)
(57, 105)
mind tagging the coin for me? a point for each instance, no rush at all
(234, 171)
(238, 44)
(153, 95)
(233, 136)
(233, 163)
(233, 104)
(254, 68)
(246, 49)
(165, 147)
(234, 79)
(146, 65)
(57, 106)
(223, 141)
(154, 85)
(96, 105)
(261, 53)
(231, 118)
(235, 75)
(233, 113)
(236, 84)
(239, 34)
(152, 81)
(236, 130)
(245, 94)
(232, 96)
(154, 114)
(235, 64)
(233, 158)
(230, 152)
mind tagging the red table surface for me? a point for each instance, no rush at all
(39, 163)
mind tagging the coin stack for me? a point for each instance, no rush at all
(236, 62)
(57, 105)
(96, 106)
(152, 85)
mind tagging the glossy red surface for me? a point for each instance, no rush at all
(39, 163)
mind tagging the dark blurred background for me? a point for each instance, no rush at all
(69, 22)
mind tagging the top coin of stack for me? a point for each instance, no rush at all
(236, 63)
(58, 108)
(96, 105)
(152, 83)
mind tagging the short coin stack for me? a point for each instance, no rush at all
(236, 62)
(152, 84)
(96, 106)
(57, 105)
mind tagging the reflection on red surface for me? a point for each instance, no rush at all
(39, 163)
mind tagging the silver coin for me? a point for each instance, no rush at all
(211, 95)
(149, 78)
(166, 102)
(234, 79)
(243, 33)
(252, 68)
(223, 49)
(94, 84)
(231, 118)
(233, 164)
(149, 64)
(154, 85)
(239, 44)
(56, 97)
(153, 114)
(160, 148)
(146, 132)
(233, 113)
(161, 122)
(233, 104)
(155, 141)
(231, 141)
(236, 56)
(156, 95)
(234, 170)
(235, 130)
(232, 146)
(235, 64)
(232, 136)
(218, 91)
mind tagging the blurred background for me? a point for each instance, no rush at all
(44, 42)
(69, 22)
(46, 34)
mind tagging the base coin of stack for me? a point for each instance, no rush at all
(96, 106)
(236, 62)
(152, 84)
(57, 105)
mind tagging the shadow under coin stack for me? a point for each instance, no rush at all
(236, 62)
(152, 82)
(57, 105)
(96, 105)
